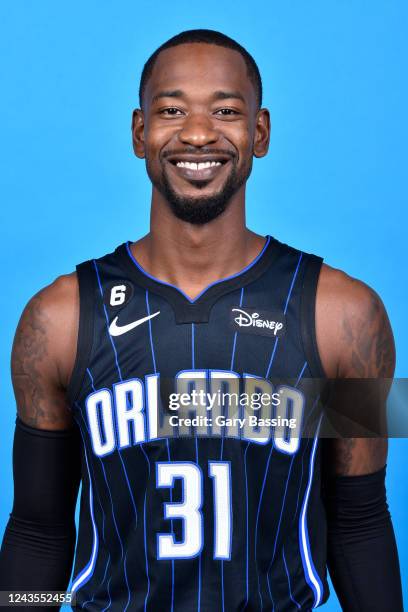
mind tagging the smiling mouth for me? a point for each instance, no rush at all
(198, 170)
(197, 166)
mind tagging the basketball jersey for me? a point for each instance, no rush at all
(184, 506)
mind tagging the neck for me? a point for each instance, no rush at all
(191, 257)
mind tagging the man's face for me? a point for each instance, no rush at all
(197, 129)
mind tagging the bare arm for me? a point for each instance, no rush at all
(356, 342)
(43, 355)
(39, 539)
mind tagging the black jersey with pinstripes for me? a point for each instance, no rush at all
(213, 516)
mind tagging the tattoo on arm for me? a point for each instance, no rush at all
(371, 342)
(353, 456)
(40, 401)
(369, 353)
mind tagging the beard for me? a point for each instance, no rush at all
(199, 210)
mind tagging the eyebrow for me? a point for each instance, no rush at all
(225, 95)
(218, 95)
(175, 93)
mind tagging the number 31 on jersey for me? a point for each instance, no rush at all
(190, 509)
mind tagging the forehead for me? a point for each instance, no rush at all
(200, 69)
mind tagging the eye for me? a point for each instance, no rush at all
(171, 111)
(225, 112)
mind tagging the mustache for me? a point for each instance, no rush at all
(199, 151)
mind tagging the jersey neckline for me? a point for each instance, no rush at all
(197, 309)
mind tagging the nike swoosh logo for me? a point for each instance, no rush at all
(116, 330)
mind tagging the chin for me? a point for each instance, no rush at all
(199, 210)
(199, 204)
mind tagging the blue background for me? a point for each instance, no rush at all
(333, 182)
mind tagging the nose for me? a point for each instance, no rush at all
(198, 131)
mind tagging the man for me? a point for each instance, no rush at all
(200, 514)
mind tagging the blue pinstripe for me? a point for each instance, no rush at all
(150, 331)
(271, 451)
(127, 584)
(199, 557)
(222, 451)
(100, 584)
(247, 526)
(257, 518)
(148, 460)
(81, 578)
(110, 598)
(283, 501)
(197, 462)
(119, 452)
(111, 500)
(107, 321)
(172, 530)
(120, 376)
(144, 531)
(311, 574)
(288, 577)
(235, 333)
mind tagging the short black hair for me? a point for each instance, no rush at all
(211, 37)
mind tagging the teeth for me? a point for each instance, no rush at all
(199, 166)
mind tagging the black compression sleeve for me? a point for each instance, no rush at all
(362, 553)
(39, 539)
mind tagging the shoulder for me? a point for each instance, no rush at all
(353, 331)
(336, 289)
(54, 307)
(63, 286)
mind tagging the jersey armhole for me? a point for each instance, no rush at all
(87, 285)
(308, 316)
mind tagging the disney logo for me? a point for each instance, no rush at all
(244, 319)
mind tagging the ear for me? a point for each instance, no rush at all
(138, 133)
(262, 133)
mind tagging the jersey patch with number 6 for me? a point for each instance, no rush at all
(118, 294)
